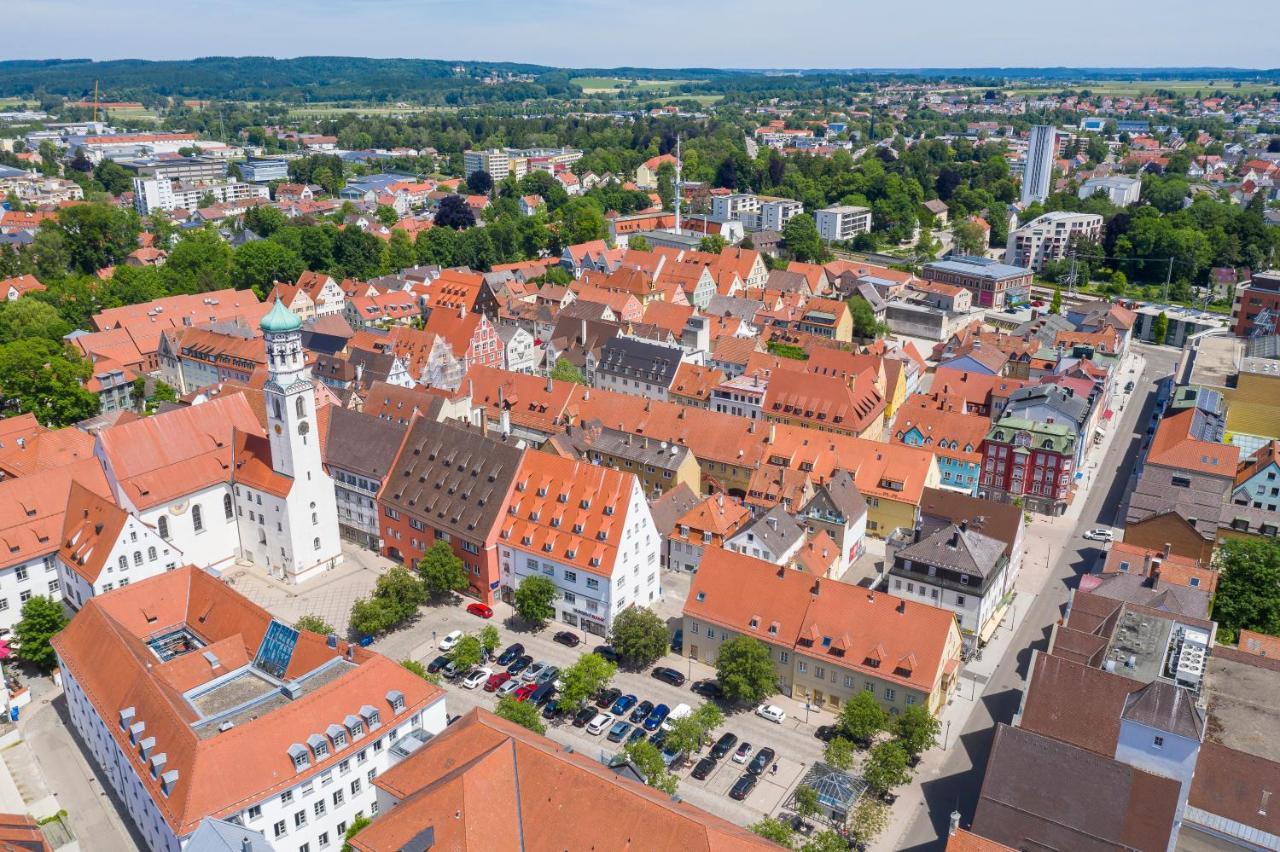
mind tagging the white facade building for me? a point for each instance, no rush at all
(1047, 238)
(150, 194)
(842, 222)
(1122, 191)
(1037, 173)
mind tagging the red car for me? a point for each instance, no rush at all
(523, 693)
(482, 610)
(495, 681)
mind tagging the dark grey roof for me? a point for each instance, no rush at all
(668, 508)
(869, 294)
(1062, 400)
(1165, 707)
(583, 309)
(595, 437)
(955, 547)
(775, 529)
(453, 477)
(839, 493)
(939, 507)
(628, 358)
(373, 366)
(786, 281)
(1039, 793)
(733, 306)
(219, 835)
(1165, 597)
(362, 443)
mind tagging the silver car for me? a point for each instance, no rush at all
(530, 674)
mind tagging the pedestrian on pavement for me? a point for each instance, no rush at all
(433, 636)
(774, 771)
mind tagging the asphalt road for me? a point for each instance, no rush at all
(960, 781)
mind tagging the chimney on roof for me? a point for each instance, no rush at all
(902, 606)
(1168, 549)
(964, 526)
(955, 823)
(954, 541)
(1155, 576)
(817, 586)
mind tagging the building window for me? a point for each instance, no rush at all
(299, 819)
(151, 554)
(287, 796)
(280, 829)
(315, 542)
(226, 506)
(890, 693)
(338, 797)
(570, 576)
(162, 526)
(197, 519)
(137, 557)
(123, 562)
(802, 667)
(53, 586)
(319, 808)
(1159, 742)
(255, 811)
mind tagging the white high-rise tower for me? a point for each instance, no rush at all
(286, 506)
(1037, 175)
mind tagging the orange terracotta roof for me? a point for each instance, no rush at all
(23, 284)
(92, 526)
(695, 381)
(32, 509)
(1262, 458)
(1173, 446)
(717, 514)
(938, 427)
(826, 402)
(45, 450)
(160, 458)
(887, 471)
(818, 555)
(965, 841)
(1125, 558)
(667, 316)
(252, 454)
(1259, 644)
(21, 833)
(486, 783)
(220, 773)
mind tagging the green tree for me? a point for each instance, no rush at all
(1055, 306)
(315, 624)
(1248, 594)
(825, 841)
(386, 215)
(565, 371)
(887, 767)
(639, 635)
(638, 243)
(41, 619)
(581, 221)
(807, 802)
(199, 263)
(713, 244)
(402, 592)
(95, 235)
(745, 670)
(357, 254)
(648, 759)
(969, 237)
(416, 667)
(401, 253)
(522, 713)
(777, 830)
(868, 819)
(442, 572)
(31, 318)
(358, 825)
(839, 753)
(862, 717)
(45, 378)
(1160, 329)
(260, 263)
(467, 654)
(666, 185)
(917, 729)
(371, 616)
(865, 324)
(114, 177)
(590, 674)
(162, 392)
(489, 639)
(264, 220)
(687, 734)
(800, 236)
(535, 600)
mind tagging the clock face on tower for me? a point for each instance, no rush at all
(277, 428)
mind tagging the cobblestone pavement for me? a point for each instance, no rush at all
(329, 597)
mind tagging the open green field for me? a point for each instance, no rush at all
(1131, 88)
(333, 110)
(604, 85)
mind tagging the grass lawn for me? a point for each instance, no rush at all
(327, 110)
(600, 85)
(1133, 88)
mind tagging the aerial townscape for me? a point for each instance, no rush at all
(436, 454)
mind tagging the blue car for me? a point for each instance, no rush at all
(619, 731)
(657, 717)
(637, 734)
(623, 704)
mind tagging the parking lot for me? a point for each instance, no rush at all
(793, 740)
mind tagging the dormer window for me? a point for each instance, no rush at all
(396, 699)
(355, 725)
(319, 746)
(299, 755)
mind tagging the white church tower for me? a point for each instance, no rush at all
(287, 510)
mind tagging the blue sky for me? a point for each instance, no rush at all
(660, 33)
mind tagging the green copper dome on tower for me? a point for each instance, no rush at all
(280, 319)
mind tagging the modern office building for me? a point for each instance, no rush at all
(1037, 173)
(264, 171)
(1121, 191)
(842, 222)
(151, 194)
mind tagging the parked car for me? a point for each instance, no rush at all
(520, 663)
(669, 675)
(437, 664)
(657, 717)
(450, 640)
(606, 652)
(585, 715)
(606, 698)
(623, 704)
(707, 689)
(677, 641)
(1128, 388)
(496, 680)
(658, 739)
(772, 712)
(509, 655)
(476, 678)
(826, 733)
(451, 671)
(543, 693)
(704, 768)
(743, 752)
(548, 675)
(722, 746)
(551, 710)
(642, 711)
(619, 731)
(509, 687)
(637, 734)
(677, 712)
(597, 725)
(482, 610)
(568, 638)
(1100, 534)
(525, 691)
(530, 674)
(743, 787)
(762, 761)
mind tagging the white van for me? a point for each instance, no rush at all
(679, 712)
